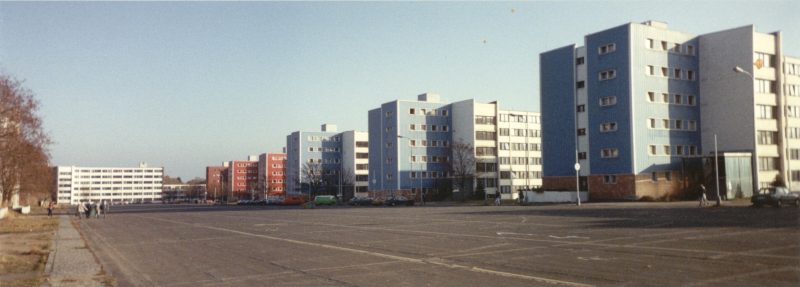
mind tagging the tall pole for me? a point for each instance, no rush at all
(716, 169)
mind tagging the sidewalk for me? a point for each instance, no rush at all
(70, 262)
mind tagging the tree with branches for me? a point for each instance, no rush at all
(462, 166)
(313, 177)
(24, 158)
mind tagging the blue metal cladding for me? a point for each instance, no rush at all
(404, 150)
(557, 95)
(376, 133)
(619, 113)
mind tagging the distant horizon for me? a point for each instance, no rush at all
(185, 85)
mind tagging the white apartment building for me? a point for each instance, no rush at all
(507, 145)
(355, 160)
(115, 184)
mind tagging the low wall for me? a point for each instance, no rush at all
(554, 196)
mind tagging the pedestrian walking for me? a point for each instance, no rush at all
(50, 208)
(521, 197)
(87, 209)
(703, 198)
(81, 210)
(497, 198)
(95, 210)
(103, 208)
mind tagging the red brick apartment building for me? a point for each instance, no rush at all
(216, 178)
(243, 178)
(276, 176)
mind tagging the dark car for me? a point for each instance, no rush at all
(775, 196)
(398, 200)
(360, 201)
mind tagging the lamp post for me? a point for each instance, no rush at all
(739, 70)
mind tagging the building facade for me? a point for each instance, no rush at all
(326, 162)
(243, 178)
(627, 105)
(272, 174)
(116, 185)
(424, 146)
(217, 181)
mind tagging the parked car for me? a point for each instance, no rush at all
(360, 201)
(398, 200)
(325, 200)
(274, 201)
(293, 200)
(775, 196)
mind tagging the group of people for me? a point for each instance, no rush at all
(90, 209)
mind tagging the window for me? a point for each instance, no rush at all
(765, 112)
(608, 101)
(678, 124)
(651, 70)
(678, 74)
(794, 154)
(690, 100)
(651, 97)
(795, 175)
(676, 48)
(793, 90)
(692, 125)
(690, 75)
(664, 45)
(665, 124)
(609, 153)
(608, 75)
(793, 133)
(605, 49)
(766, 137)
(664, 72)
(793, 111)
(412, 127)
(765, 86)
(581, 108)
(679, 150)
(411, 111)
(582, 155)
(678, 99)
(444, 113)
(649, 43)
(610, 179)
(582, 132)
(580, 61)
(485, 135)
(580, 84)
(667, 150)
(651, 123)
(768, 163)
(608, 127)
(693, 150)
(764, 60)
(690, 50)
(652, 150)
(665, 98)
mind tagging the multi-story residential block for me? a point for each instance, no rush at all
(326, 162)
(217, 181)
(243, 178)
(420, 146)
(272, 174)
(636, 100)
(112, 184)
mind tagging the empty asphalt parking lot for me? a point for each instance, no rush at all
(598, 244)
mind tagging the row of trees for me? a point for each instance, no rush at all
(24, 157)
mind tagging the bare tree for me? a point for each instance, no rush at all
(313, 176)
(462, 166)
(24, 159)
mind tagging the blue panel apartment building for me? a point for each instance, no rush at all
(627, 106)
(341, 157)
(412, 147)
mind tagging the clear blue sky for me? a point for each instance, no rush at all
(186, 85)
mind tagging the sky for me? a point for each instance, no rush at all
(185, 85)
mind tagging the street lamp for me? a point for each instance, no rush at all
(739, 70)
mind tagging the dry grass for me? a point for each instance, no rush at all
(26, 246)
